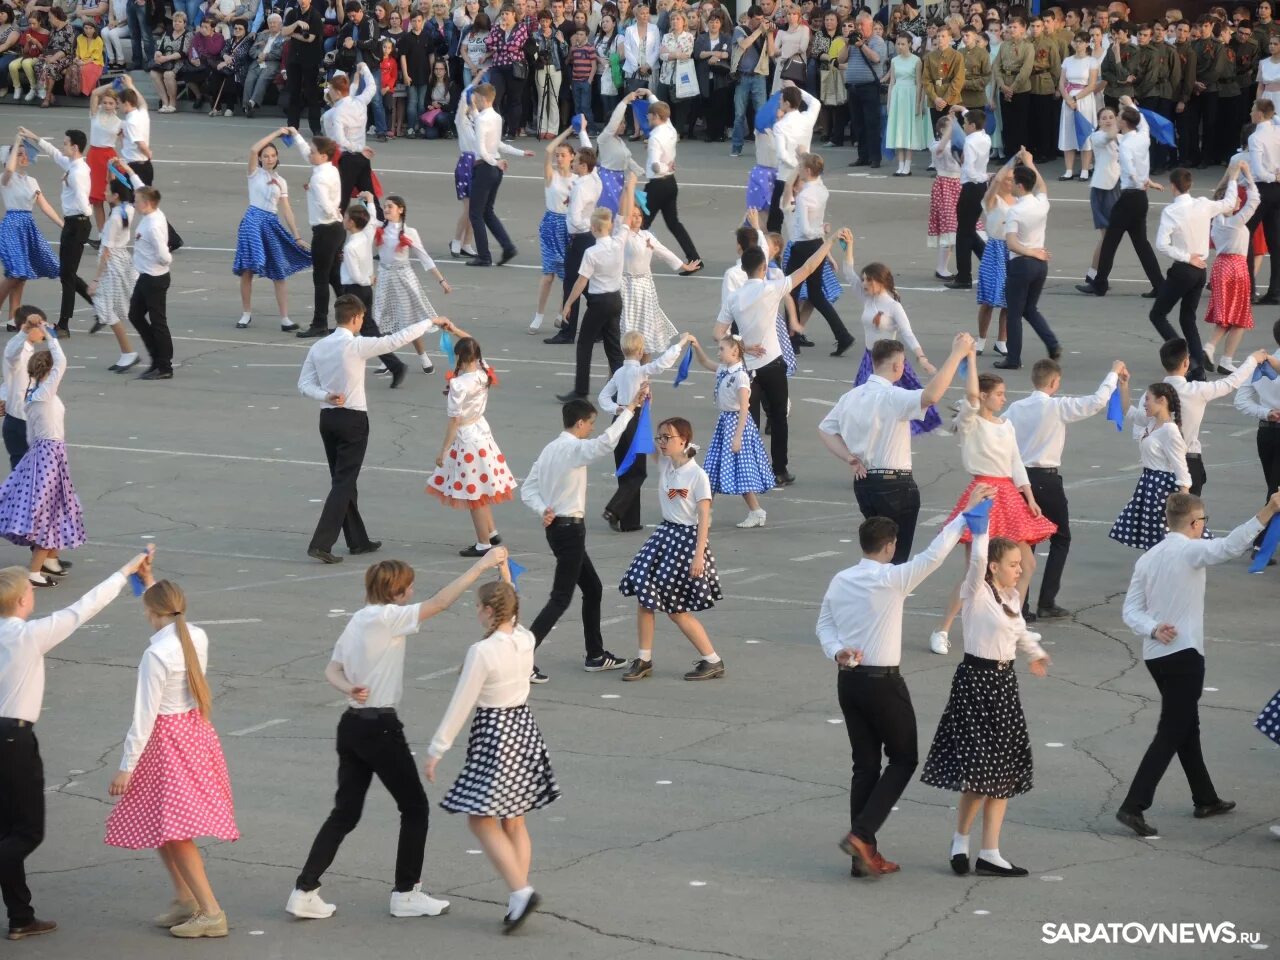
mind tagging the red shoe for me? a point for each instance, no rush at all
(883, 865)
(864, 855)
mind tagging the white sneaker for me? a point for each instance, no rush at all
(308, 905)
(536, 323)
(31, 95)
(754, 518)
(939, 642)
(17, 94)
(1208, 355)
(416, 903)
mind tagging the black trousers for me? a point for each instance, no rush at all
(1129, 215)
(625, 503)
(1162, 156)
(662, 193)
(369, 746)
(864, 117)
(1016, 116)
(879, 718)
(579, 243)
(301, 83)
(1226, 127)
(1024, 282)
(1180, 679)
(896, 497)
(1182, 285)
(326, 249)
(774, 220)
(801, 251)
(769, 388)
(21, 816)
(1200, 113)
(356, 175)
(1268, 214)
(15, 438)
(968, 243)
(75, 233)
(1043, 113)
(1195, 467)
(508, 100)
(568, 542)
(148, 313)
(370, 326)
(345, 434)
(145, 171)
(602, 319)
(485, 181)
(1046, 486)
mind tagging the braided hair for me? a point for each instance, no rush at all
(1166, 392)
(500, 599)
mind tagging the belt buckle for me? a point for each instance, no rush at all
(1003, 664)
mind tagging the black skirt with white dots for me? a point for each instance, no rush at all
(659, 575)
(981, 745)
(508, 772)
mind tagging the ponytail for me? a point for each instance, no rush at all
(165, 599)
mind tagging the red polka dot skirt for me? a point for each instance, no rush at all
(1229, 304)
(475, 473)
(1010, 515)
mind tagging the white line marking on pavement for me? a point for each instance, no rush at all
(256, 727)
(725, 573)
(819, 401)
(229, 456)
(612, 620)
(221, 623)
(437, 674)
(756, 578)
(816, 556)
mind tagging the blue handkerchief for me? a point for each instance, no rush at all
(446, 347)
(767, 115)
(682, 374)
(135, 582)
(1084, 129)
(287, 139)
(641, 443)
(576, 123)
(1161, 127)
(1115, 413)
(641, 108)
(515, 570)
(977, 518)
(962, 371)
(642, 201)
(1267, 549)
(1264, 370)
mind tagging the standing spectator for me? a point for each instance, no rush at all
(675, 51)
(388, 83)
(641, 43)
(304, 26)
(583, 65)
(943, 78)
(792, 44)
(264, 63)
(715, 80)
(475, 53)
(509, 72)
(609, 53)
(754, 45)
(549, 55)
(1013, 83)
(866, 57)
(827, 80)
(415, 70)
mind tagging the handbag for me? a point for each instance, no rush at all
(520, 70)
(833, 92)
(795, 71)
(615, 69)
(428, 117)
(686, 80)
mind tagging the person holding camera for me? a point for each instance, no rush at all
(753, 45)
(549, 55)
(866, 58)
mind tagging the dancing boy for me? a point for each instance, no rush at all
(76, 224)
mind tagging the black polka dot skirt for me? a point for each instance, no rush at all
(1141, 522)
(981, 745)
(508, 772)
(659, 575)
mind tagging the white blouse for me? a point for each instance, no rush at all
(495, 674)
(680, 490)
(468, 396)
(556, 193)
(727, 393)
(20, 192)
(1161, 446)
(894, 324)
(1106, 161)
(162, 686)
(989, 632)
(641, 245)
(995, 218)
(104, 129)
(266, 189)
(115, 232)
(989, 448)
(46, 413)
(766, 149)
(944, 159)
(1230, 232)
(389, 249)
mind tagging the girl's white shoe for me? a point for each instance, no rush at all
(755, 518)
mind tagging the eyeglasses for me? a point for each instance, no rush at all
(1204, 519)
(664, 437)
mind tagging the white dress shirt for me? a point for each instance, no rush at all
(23, 644)
(16, 354)
(754, 307)
(977, 154)
(735, 277)
(346, 121)
(1230, 232)
(680, 490)
(641, 247)
(1134, 153)
(989, 632)
(356, 266)
(793, 135)
(602, 265)
(660, 158)
(267, 189)
(1026, 221)
(1194, 396)
(1040, 421)
(557, 481)
(989, 448)
(862, 608)
(1161, 447)
(135, 129)
(151, 244)
(1264, 153)
(371, 651)
(46, 413)
(489, 141)
(944, 159)
(1259, 399)
(162, 687)
(1168, 584)
(1184, 225)
(495, 674)
(874, 421)
(614, 154)
(1106, 161)
(623, 386)
(324, 193)
(810, 211)
(75, 181)
(584, 196)
(336, 364)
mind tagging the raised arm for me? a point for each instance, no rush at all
(261, 145)
(448, 595)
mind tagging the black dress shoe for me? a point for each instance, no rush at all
(323, 555)
(612, 520)
(1150, 295)
(97, 325)
(156, 375)
(507, 256)
(373, 546)
(1006, 365)
(874, 165)
(842, 347)
(472, 551)
(312, 332)
(960, 864)
(800, 340)
(1136, 822)
(478, 262)
(784, 479)
(1090, 289)
(985, 868)
(1197, 374)
(1267, 298)
(1055, 352)
(64, 331)
(944, 277)
(1210, 810)
(1052, 612)
(559, 338)
(566, 397)
(860, 163)
(398, 375)
(1029, 617)
(955, 283)
(510, 925)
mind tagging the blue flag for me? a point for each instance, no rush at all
(515, 570)
(1267, 549)
(1161, 127)
(1264, 370)
(287, 139)
(642, 201)
(957, 139)
(446, 347)
(641, 443)
(767, 114)
(135, 581)
(977, 518)
(1084, 129)
(1115, 413)
(641, 107)
(682, 374)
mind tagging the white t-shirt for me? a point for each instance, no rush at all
(371, 651)
(691, 487)
(728, 393)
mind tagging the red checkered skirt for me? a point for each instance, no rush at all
(1229, 304)
(942, 211)
(1010, 516)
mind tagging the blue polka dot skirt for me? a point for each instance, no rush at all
(908, 381)
(749, 470)
(553, 236)
(610, 189)
(1141, 523)
(1268, 721)
(991, 274)
(760, 187)
(38, 502)
(24, 251)
(830, 282)
(508, 771)
(659, 574)
(463, 171)
(266, 249)
(981, 744)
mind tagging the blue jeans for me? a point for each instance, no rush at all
(192, 9)
(5, 60)
(379, 115)
(141, 38)
(417, 104)
(750, 91)
(582, 99)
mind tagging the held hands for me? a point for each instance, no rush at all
(493, 557)
(119, 784)
(1261, 356)
(641, 396)
(135, 565)
(1197, 261)
(1121, 371)
(962, 344)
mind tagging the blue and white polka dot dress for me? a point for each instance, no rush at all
(1141, 523)
(749, 470)
(991, 274)
(553, 237)
(24, 251)
(1268, 721)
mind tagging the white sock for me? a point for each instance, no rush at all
(645, 655)
(993, 856)
(1091, 273)
(455, 247)
(712, 657)
(36, 577)
(52, 565)
(1002, 345)
(980, 344)
(126, 358)
(426, 362)
(483, 547)
(960, 844)
(944, 254)
(518, 900)
(285, 321)
(246, 317)
(469, 249)
(537, 320)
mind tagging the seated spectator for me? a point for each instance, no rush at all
(442, 101)
(30, 48)
(263, 63)
(171, 53)
(115, 35)
(220, 13)
(85, 68)
(202, 57)
(58, 53)
(10, 44)
(230, 70)
(90, 11)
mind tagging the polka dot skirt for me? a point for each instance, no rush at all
(1269, 719)
(748, 470)
(1010, 515)
(981, 745)
(38, 502)
(462, 173)
(508, 772)
(475, 472)
(1141, 523)
(24, 251)
(659, 575)
(179, 789)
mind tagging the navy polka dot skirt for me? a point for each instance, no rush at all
(266, 249)
(24, 251)
(1141, 522)
(38, 502)
(659, 575)
(1268, 721)
(508, 771)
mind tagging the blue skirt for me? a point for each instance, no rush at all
(760, 187)
(1268, 722)
(1141, 523)
(784, 343)
(266, 249)
(462, 172)
(659, 575)
(830, 282)
(553, 235)
(25, 252)
(38, 502)
(748, 471)
(610, 188)
(908, 381)
(991, 274)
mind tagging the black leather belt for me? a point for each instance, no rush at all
(371, 713)
(982, 663)
(889, 474)
(875, 671)
(1043, 469)
(1194, 456)
(13, 722)
(567, 522)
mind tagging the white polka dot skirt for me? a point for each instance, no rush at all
(38, 502)
(508, 772)
(1269, 719)
(748, 470)
(1141, 522)
(981, 745)
(179, 789)
(659, 575)
(475, 473)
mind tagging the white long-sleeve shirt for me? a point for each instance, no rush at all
(1161, 446)
(614, 154)
(1260, 398)
(1134, 153)
(489, 143)
(495, 673)
(660, 156)
(464, 125)
(894, 323)
(371, 650)
(862, 608)
(584, 195)
(356, 268)
(989, 448)
(1184, 225)
(16, 354)
(874, 421)
(336, 364)
(637, 51)
(162, 686)
(1040, 421)
(1168, 584)
(641, 247)
(810, 211)
(391, 250)
(621, 390)
(1264, 153)
(989, 632)
(558, 478)
(324, 192)
(75, 181)
(793, 135)
(46, 413)
(1230, 232)
(1195, 396)
(346, 121)
(1106, 161)
(151, 244)
(977, 154)
(24, 643)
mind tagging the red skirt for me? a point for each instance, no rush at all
(179, 789)
(1229, 304)
(1010, 515)
(98, 158)
(942, 211)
